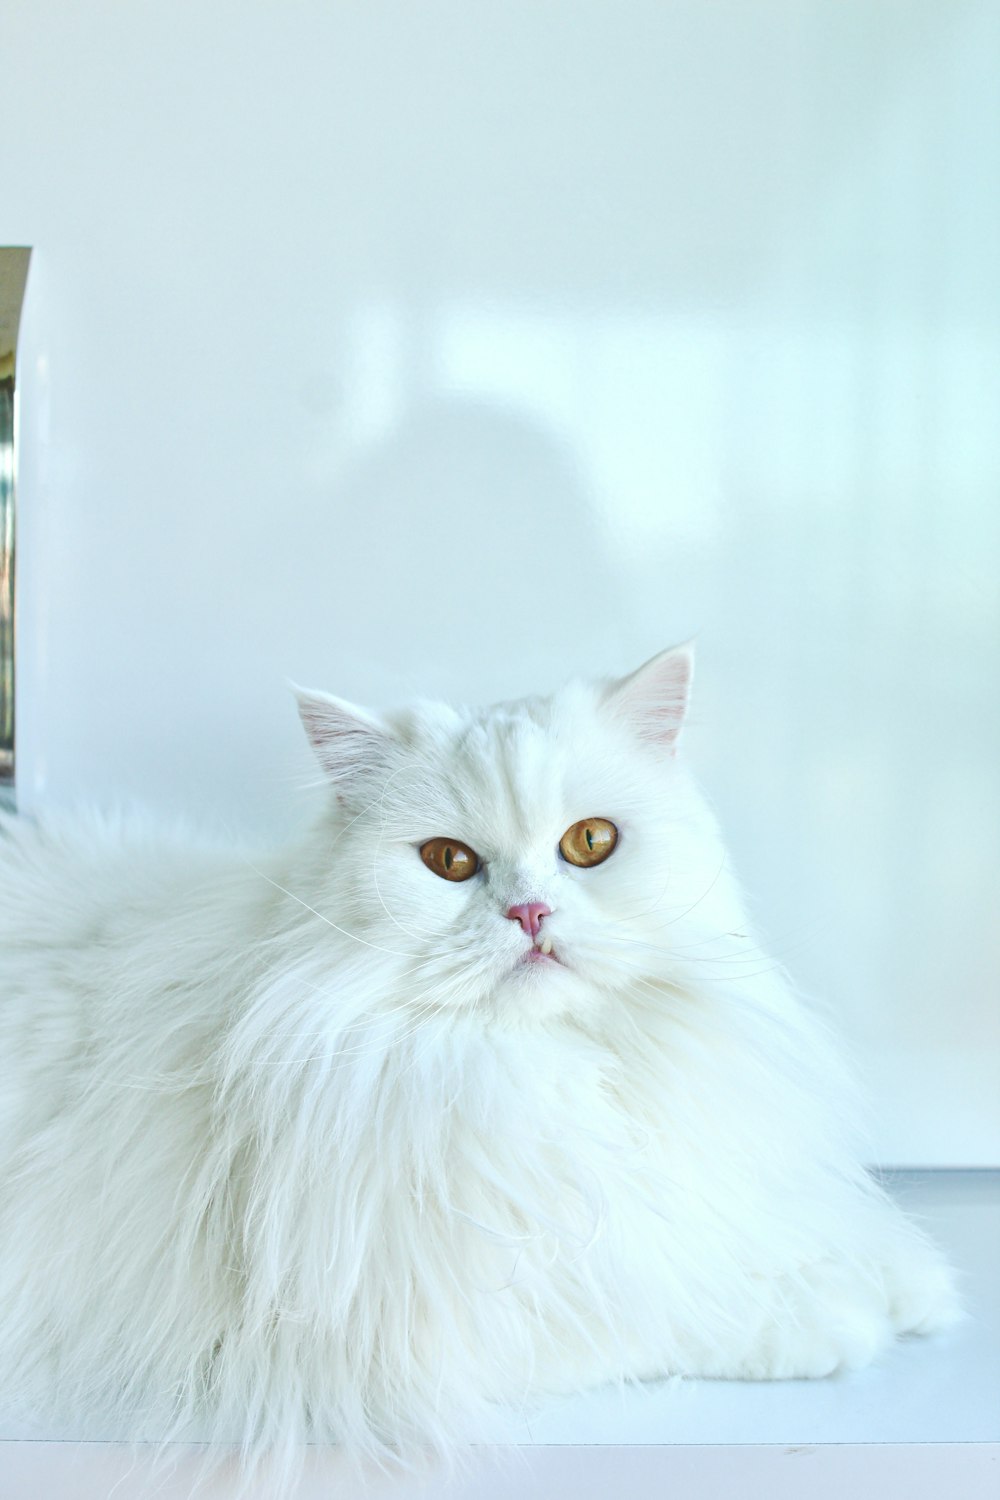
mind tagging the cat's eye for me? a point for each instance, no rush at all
(449, 859)
(588, 842)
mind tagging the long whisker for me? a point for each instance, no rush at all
(635, 916)
(419, 1013)
(395, 952)
(424, 963)
(702, 978)
(685, 951)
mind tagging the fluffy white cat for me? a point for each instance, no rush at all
(480, 1090)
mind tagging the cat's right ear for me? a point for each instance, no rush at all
(347, 740)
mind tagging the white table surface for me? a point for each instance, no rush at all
(926, 1417)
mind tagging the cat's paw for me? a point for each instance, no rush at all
(832, 1316)
(826, 1318)
(920, 1292)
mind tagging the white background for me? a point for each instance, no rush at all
(455, 349)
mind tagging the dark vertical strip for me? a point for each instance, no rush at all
(7, 581)
(13, 276)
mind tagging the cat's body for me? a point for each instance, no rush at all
(309, 1147)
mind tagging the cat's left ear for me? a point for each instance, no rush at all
(347, 740)
(654, 698)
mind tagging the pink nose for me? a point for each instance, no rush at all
(530, 916)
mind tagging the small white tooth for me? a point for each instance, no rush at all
(545, 946)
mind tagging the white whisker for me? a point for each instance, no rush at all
(336, 927)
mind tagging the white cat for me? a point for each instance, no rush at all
(482, 1089)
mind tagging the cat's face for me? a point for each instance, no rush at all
(523, 859)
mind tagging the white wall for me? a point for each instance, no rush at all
(457, 348)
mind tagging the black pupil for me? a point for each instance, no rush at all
(590, 839)
(449, 858)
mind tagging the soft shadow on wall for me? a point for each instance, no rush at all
(470, 531)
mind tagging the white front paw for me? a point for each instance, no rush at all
(833, 1316)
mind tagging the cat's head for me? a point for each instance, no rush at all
(524, 859)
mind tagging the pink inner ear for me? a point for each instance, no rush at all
(654, 698)
(344, 738)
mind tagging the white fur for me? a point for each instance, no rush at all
(289, 1146)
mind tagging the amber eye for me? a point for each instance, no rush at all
(449, 859)
(589, 841)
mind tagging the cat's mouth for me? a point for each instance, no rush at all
(541, 952)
